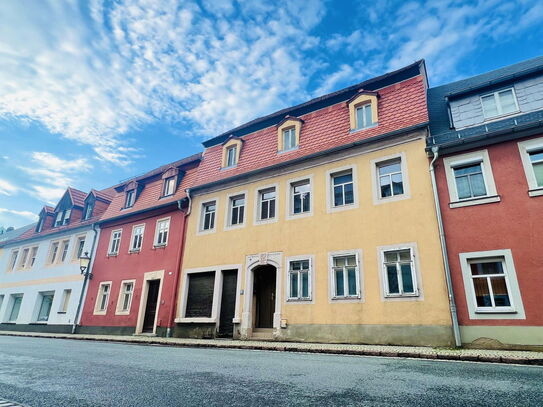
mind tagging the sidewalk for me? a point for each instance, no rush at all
(472, 355)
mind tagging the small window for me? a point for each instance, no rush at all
(208, 215)
(53, 254)
(289, 138)
(63, 217)
(301, 197)
(470, 181)
(266, 198)
(33, 254)
(237, 210)
(39, 226)
(65, 245)
(137, 238)
(399, 273)
(130, 198)
(345, 276)
(499, 103)
(103, 297)
(364, 116)
(299, 280)
(342, 188)
(13, 260)
(66, 294)
(79, 247)
(23, 262)
(45, 307)
(390, 178)
(162, 231)
(127, 290)
(15, 308)
(231, 156)
(169, 186)
(115, 242)
(89, 208)
(490, 284)
(536, 158)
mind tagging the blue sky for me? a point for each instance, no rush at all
(93, 92)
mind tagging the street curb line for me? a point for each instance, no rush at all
(431, 355)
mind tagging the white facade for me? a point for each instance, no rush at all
(35, 278)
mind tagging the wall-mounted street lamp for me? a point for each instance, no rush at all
(84, 261)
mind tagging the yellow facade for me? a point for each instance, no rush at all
(365, 227)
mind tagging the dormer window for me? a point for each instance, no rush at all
(63, 217)
(288, 133)
(289, 138)
(231, 156)
(499, 103)
(130, 198)
(39, 226)
(89, 207)
(363, 112)
(169, 186)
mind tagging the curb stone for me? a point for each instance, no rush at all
(468, 355)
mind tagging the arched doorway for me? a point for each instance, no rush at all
(264, 288)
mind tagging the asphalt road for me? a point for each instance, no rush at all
(53, 372)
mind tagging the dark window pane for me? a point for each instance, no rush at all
(392, 279)
(397, 184)
(407, 278)
(351, 274)
(297, 204)
(478, 184)
(338, 196)
(264, 210)
(340, 291)
(385, 186)
(495, 267)
(342, 179)
(272, 209)
(305, 285)
(482, 293)
(294, 285)
(349, 196)
(241, 214)
(307, 202)
(499, 288)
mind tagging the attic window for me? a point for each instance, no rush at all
(363, 116)
(169, 186)
(363, 110)
(288, 133)
(89, 208)
(63, 217)
(39, 226)
(231, 152)
(130, 198)
(231, 156)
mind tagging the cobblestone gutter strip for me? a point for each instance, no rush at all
(472, 355)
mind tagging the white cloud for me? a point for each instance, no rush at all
(24, 214)
(102, 70)
(7, 188)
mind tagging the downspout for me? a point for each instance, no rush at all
(452, 304)
(85, 281)
(179, 260)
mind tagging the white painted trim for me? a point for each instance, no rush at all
(498, 107)
(330, 208)
(289, 198)
(311, 299)
(130, 249)
(359, 298)
(377, 199)
(109, 252)
(417, 275)
(228, 208)
(516, 311)
(256, 205)
(118, 310)
(151, 275)
(475, 157)
(155, 243)
(97, 310)
(525, 148)
(199, 225)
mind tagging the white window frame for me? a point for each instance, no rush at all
(133, 238)
(97, 310)
(64, 250)
(65, 301)
(217, 292)
(234, 151)
(158, 221)
(33, 249)
(377, 199)
(290, 197)
(257, 202)
(200, 224)
(415, 270)
(110, 252)
(50, 259)
(120, 298)
(476, 157)
(329, 189)
(525, 148)
(13, 259)
(415, 293)
(362, 126)
(11, 304)
(22, 261)
(39, 304)
(311, 279)
(166, 184)
(498, 104)
(75, 252)
(516, 310)
(229, 208)
(132, 201)
(359, 276)
(292, 135)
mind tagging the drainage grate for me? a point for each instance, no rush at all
(5, 403)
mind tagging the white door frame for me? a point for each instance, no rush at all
(152, 275)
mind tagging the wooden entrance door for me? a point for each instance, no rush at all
(264, 288)
(228, 303)
(151, 306)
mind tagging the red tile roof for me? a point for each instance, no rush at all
(106, 194)
(78, 197)
(400, 105)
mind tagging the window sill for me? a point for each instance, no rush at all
(112, 254)
(61, 312)
(290, 150)
(122, 313)
(265, 221)
(495, 311)
(196, 320)
(390, 296)
(304, 300)
(364, 128)
(134, 251)
(159, 246)
(347, 298)
(500, 117)
(475, 201)
(234, 227)
(229, 168)
(536, 192)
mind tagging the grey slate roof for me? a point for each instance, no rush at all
(16, 233)
(440, 131)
